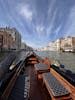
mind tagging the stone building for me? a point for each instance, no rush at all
(64, 44)
(73, 43)
(7, 40)
(15, 35)
(68, 43)
(23, 46)
(54, 45)
(1, 41)
(17, 38)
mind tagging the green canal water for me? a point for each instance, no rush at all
(67, 59)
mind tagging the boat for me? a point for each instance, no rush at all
(35, 78)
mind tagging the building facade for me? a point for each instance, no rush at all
(6, 41)
(54, 45)
(15, 35)
(64, 44)
(1, 41)
(17, 39)
(23, 46)
(73, 43)
(68, 44)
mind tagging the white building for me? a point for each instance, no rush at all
(53, 46)
(64, 44)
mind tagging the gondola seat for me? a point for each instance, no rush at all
(54, 87)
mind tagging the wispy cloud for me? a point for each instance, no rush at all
(58, 29)
(51, 25)
(25, 11)
(39, 21)
(51, 6)
(39, 29)
(70, 25)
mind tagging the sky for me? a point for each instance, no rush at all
(39, 21)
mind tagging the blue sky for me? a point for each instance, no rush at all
(39, 21)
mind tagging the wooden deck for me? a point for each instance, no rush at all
(37, 91)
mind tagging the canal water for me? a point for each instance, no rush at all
(3, 55)
(67, 59)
